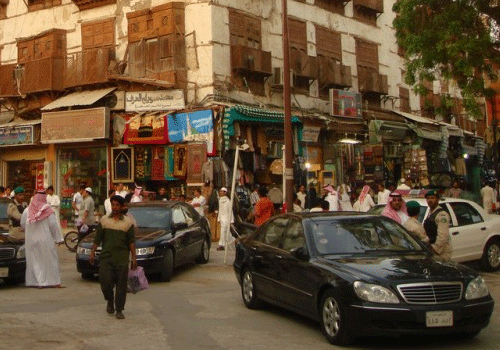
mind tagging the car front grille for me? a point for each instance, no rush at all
(7, 253)
(431, 293)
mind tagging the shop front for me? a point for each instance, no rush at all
(24, 161)
(81, 141)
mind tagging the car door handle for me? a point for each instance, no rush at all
(280, 257)
(483, 228)
(455, 233)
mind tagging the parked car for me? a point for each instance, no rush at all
(358, 275)
(12, 253)
(475, 234)
(168, 234)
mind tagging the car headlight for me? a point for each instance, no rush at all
(145, 251)
(83, 251)
(477, 288)
(375, 293)
(21, 252)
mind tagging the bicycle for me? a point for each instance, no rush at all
(72, 238)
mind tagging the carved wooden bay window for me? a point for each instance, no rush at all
(404, 99)
(331, 71)
(35, 5)
(3, 8)
(335, 6)
(368, 10)
(41, 61)
(90, 4)
(369, 79)
(304, 67)
(92, 64)
(249, 64)
(157, 48)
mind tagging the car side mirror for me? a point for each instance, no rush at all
(179, 226)
(300, 253)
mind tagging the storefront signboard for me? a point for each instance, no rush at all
(310, 133)
(194, 126)
(345, 103)
(16, 135)
(164, 100)
(75, 126)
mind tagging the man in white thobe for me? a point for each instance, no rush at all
(225, 218)
(41, 234)
(55, 202)
(199, 202)
(488, 194)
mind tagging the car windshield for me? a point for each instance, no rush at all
(3, 210)
(360, 236)
(151, 217)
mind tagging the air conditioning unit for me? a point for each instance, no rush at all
(116, 100)
(278, 77)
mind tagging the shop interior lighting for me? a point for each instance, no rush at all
(349, 141)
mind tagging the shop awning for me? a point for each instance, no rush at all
(453, 130)
(252, 115)
(416, 118)
(82, 98)
(6, 117)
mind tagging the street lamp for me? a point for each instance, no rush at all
(239, 147)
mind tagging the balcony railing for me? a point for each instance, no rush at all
(42, 75)
(88, 67)
(8, 86)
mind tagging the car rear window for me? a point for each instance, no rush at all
(360, 236)
(151, 217)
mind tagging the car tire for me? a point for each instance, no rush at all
(87, 275)
(490, 260)
(248, 293)
(168, 266)
(333, 319)
(205, 252)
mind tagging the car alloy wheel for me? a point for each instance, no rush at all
(332, 320)
(491, 256)
(248, 291)
(204, 253)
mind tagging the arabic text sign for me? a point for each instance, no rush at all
(155, 100)
(76, 125)
(16, 135)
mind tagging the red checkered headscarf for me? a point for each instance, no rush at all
(390, 212)
(38, 208)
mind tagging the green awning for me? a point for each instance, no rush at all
(252, 115)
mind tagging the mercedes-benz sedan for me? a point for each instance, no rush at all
(359, 275)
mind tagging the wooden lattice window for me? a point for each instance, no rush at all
(98, 34)
(35, 5)
(365, 15)
(245, 30)
(367, 55)
(3, 11)
(335, 6)
(404, 100)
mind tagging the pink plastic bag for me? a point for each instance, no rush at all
(137, 280)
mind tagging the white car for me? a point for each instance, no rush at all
(475, 234)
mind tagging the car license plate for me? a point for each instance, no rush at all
(439, 318)
(4, 272)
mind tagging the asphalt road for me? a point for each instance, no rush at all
(200, 308)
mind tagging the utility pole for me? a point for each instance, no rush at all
(288, 166)
(494, 124)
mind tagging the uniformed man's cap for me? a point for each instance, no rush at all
(18, 190)
(432, 193)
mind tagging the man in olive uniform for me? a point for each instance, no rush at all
(14, 212)
(437, 227)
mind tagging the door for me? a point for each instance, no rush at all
(181, 236)
(299, 278)
(468, 236)
(195, 231)
(267, 251)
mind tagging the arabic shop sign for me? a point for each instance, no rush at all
(163, 100)
(16, 135)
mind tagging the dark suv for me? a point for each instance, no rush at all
(12, 253)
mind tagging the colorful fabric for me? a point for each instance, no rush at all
(39, 209)
(264, 209)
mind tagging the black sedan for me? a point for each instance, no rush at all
(168, 234)
(12, 253)
(358, 275)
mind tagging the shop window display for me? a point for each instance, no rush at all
(82, 166)
(23, 173)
